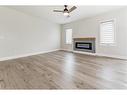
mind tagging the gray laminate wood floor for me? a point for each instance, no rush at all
(63, 70)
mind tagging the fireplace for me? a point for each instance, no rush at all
(84, 44)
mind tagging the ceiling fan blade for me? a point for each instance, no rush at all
(72, 9)
(57, 11)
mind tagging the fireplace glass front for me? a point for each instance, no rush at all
(83, 45)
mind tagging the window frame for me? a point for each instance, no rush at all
(114, 26)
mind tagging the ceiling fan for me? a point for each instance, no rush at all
(66, 11)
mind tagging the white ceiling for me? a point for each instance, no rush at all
(79, 13)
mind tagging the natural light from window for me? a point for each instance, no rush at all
(68, 36)
(107, 32)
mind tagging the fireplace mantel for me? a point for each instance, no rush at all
(85, 38)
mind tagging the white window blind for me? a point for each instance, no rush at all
(107, 32)
(68, 36)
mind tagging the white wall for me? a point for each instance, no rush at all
(22, 34)
(90, 28)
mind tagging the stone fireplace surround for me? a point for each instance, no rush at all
(84, 44)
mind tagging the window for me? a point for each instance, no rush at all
(107, 32)
(68, 36)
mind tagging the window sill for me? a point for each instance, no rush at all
(114, 44)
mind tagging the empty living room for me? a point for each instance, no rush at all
(63, 47)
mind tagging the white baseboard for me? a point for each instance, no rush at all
(67, 50)
(36, 53)
(25, 55)
(98, 54)
(112, 56)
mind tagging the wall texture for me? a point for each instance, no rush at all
(90, 28)
(21, 34)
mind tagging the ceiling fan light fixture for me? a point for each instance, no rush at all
(65, 13)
